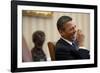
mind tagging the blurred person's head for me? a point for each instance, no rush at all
(38, 38)
(66, 27)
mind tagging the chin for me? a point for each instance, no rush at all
(74, 38)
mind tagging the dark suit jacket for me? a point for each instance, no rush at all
(65, 51)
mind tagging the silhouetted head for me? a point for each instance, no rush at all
(38, 38)
(66, 27)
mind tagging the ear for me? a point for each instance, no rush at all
(61, 32)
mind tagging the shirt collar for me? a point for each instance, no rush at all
(67, 41)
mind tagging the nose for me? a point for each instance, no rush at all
(74, 30)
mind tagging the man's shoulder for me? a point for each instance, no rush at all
(59, 43)
(62, 45)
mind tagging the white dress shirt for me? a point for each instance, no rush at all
(82, 47)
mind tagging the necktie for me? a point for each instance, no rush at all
(74, 46)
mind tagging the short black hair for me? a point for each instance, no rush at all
(61, 21)
(38, 37)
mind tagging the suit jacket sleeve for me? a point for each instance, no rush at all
(84, 53)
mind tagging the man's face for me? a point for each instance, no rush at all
(69, 31)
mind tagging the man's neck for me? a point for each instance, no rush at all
(70, 42)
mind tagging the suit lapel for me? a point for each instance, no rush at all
(72, 47)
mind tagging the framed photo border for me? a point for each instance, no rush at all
(14, 5)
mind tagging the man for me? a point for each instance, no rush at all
(67, 47)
